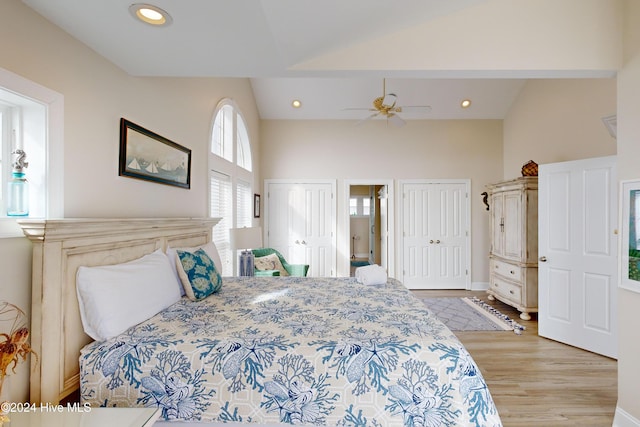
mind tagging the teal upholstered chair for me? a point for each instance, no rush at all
(298, 270)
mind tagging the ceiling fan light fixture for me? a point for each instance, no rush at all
(385, 106)
(296, 103)
(150, 14)
(466, 103)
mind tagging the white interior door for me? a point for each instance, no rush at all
(577, 283)
(281, 212)
(435, 235)
(300, 222)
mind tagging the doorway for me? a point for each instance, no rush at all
(368, 225)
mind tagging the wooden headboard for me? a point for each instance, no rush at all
(59, 247)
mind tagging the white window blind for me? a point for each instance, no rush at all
(243, 204)
(221, 206)
(231, 178)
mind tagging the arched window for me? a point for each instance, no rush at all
(229, 132)
(230, 178)
(243, 146)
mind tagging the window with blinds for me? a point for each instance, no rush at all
(221, 203)
(243, 204)
(231, 178)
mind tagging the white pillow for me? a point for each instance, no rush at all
(270, 262)
(209, 248)
(114, 298)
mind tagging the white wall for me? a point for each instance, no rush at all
(425, 149)
(628, 413)
(558, 120)
(96, 94)
(15, 288)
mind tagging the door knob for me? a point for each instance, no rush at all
(304, 243)
(297, 242)
(543, 259)
(437, 241)
(431, 241)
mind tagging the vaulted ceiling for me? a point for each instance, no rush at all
(334, 54)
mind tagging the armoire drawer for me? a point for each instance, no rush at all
(512, 291)
(510, 271)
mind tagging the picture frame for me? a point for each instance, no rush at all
(148, 156)
(630, 242)
(256, 206)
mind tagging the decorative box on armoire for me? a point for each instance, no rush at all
(513, 260)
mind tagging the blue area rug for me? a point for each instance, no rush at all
(470, 314)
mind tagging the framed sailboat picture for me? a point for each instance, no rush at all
(149, 156)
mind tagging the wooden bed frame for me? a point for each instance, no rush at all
(59, 248)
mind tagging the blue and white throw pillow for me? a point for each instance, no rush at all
(198, 274)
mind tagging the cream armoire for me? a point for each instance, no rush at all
(513, 260)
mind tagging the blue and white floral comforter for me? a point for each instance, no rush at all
(306, 351)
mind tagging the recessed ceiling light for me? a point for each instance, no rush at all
(466, 103)
(150, 14)
(296, 103)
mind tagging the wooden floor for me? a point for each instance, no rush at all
(539, 382)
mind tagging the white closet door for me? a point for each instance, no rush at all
(301, 224)
(281, 211)
(435, 235)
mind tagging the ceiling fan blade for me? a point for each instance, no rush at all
(424, 108)
(395, 120)
(358, 109)
(359, 122)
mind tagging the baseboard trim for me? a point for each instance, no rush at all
(623, 419)
(479, 286)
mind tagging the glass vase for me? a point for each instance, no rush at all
(18, 195)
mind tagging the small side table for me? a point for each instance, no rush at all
(91, 417)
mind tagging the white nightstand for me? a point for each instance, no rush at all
(95, 417)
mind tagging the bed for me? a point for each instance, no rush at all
(263, 350)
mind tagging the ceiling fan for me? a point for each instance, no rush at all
(386, 106)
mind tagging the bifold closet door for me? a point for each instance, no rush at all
(435, 235)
